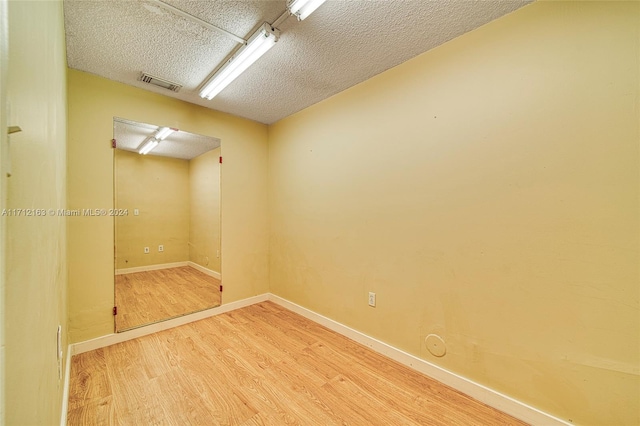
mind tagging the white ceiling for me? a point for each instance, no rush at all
(129, 135)
(340, 45)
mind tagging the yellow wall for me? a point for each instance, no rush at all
(487, 191)
(204, 224)
(4, 153)
(158, 187)
(35, 274)
(93, 102)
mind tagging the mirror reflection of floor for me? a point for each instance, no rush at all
(147, 297)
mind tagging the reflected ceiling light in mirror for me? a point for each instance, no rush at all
(149, 144)
(261, 41)
(152, 141)
(163, 132)
(303, 8)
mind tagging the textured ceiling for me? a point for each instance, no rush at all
(180, 144)
(340, 45)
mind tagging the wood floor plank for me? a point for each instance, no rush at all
(181, 408)
(368, 406)
(303, 393)
(155, 362)
(89, 378)
(220, 400)
(262, 419)
(259, 365)
(130, 384)
(99, 412)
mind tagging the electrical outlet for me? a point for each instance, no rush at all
(372, 299)
(218, 253)
(146, 250)
(160, 248)
(136, 212)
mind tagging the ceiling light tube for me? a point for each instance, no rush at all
(261, 41)
(304, 8)
(147, 146)
(163, 132)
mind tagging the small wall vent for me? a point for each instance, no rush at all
(160, 82)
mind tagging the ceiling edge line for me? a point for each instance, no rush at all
(198, 21)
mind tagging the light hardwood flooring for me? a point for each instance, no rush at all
(259, 365)
(151, 296)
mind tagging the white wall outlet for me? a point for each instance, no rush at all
(372, 299)
(146, 250)
(160, 248)
(136, 212)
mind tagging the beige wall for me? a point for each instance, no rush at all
(204, 224)
(4, 153)
(93, 102)
(159, 188)
(487, 191)
(35, 274)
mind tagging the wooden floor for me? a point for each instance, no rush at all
(148, 297)
(260, 365)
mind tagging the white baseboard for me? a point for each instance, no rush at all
(194, 265)
(65, 388)
(209, 272)
(475, 390)
(112, 339)
(150, 268)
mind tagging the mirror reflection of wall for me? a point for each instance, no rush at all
(167, 237)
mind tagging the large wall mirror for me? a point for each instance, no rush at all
(167, 227)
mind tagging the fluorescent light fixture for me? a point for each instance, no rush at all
(261, 41)
(148, 145)
(163, 132)
(304, 8)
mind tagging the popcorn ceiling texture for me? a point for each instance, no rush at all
(130, 135)
(340, 45)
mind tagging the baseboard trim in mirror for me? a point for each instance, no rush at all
(194, 265)
(204, 270)
(152, 268)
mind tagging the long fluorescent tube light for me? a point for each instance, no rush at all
(148, 146)
(163, 132)
(261, 41)
(304, 8)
